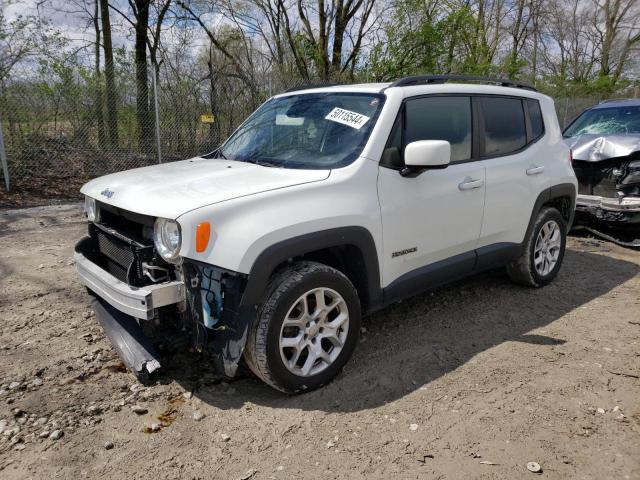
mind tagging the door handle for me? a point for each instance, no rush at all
(470, 184)
(535, 170)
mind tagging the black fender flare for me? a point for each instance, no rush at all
(556, 191)
(231, 346)
(269, 259)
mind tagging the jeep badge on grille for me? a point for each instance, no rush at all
(107, 193)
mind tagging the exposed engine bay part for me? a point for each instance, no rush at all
(608, 173)
(615, 178)
(220, 323)
(134, 348)
(607, 166)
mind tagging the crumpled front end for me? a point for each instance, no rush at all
(608, 173)
(218, 320)
(143, 302)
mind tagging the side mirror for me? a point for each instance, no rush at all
(426, 154)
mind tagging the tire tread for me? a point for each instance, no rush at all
(281, 282)
(521, 270)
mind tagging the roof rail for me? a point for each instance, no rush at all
(609, 100)
(307, 86)
(427, 79)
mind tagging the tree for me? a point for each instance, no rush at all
(147, 33)
(518, 19)
(111, 98)
(99, 101)
(20, 39)
(326, 35)
(617, 23)
(195, 12)
(141, 12)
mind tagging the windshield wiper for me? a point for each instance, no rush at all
(262, 163)
(215, 154)
(253, 158)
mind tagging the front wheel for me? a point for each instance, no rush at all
(543, 252)
(307, 328)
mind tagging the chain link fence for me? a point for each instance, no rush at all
(569, 108)
(66, 128)
(60, 132)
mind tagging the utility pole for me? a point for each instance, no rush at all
(3, 160)
(155, 103)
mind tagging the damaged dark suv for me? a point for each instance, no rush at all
(605, 141)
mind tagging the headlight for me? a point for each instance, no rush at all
(167, 239)
(90, 208)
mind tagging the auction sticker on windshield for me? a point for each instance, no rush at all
(347, 117)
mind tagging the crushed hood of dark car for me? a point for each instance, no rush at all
(607, 167)
(594, 147)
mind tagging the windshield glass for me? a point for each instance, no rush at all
(311, 131)
(606, 121)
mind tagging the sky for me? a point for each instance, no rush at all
(73, 20)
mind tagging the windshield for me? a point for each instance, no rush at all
(311, 131)
(606, 121)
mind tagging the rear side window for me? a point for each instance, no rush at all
(441, 118)
(504, 126)
(535, 119)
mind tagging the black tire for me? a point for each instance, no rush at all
(262, 351)
(523, 270)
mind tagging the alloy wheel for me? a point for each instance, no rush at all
(547, 248)
(314, 331)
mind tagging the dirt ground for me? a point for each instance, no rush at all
(472, 381)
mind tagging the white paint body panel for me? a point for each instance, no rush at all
(511, 193)
(171, 189)
(429, 212)
(252, 207)
(244, 227)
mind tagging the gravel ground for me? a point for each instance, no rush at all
(472, 381)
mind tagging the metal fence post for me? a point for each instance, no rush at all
(3, 160)
(155, 103)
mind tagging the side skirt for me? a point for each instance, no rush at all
(449, 270)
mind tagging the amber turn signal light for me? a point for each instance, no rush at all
(203, 232)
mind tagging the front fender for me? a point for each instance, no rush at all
(359, 237)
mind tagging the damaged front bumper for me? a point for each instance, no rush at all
(128, 339)
(614, 219)
(625, 205)
(138, 302)
(608, 173)
(206, 305)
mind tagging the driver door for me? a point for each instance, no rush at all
(431, 222)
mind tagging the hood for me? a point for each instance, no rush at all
(172, 189)
(593, 148)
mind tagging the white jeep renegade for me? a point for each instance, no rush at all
(325, 205)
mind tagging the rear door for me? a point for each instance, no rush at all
(510, 128)
(437, 215)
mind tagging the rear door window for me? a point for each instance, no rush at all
(504, 126)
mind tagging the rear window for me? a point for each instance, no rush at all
(504, 126)
(535, 119)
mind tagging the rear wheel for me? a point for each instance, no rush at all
(306, 329)
(544, 249)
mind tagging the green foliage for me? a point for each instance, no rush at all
(427, 37)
